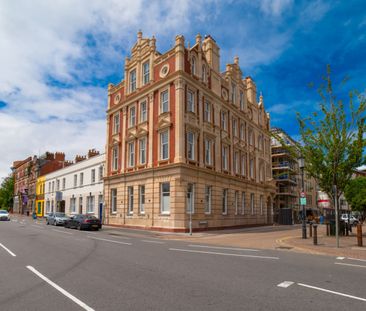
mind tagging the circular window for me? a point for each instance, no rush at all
(164, 71)
(224, 94)
(117, 98)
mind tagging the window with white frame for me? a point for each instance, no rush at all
(116, 123)
(80, 205)
(49, 187)
(190, 198)
(224, 201)
(190, 101)
(142, 150)
(48, 206)
(236, 202)
(131, 154)
(81, 179)
(241, 100)
(164, 145)
(143, 111)
(165, 198)
(243, 165)
(53, 186)
(100, 172)
(73, 205)
(113, 200)
(133, 80)
(90, 201)
(235, 127)
(242, 131)
(261, 203)
(242, 203)
(208, 151)
(233, 93)
(252, 203)
(75, 180)
(115, 158)
(132, 111)
(190, 146)
(93, 175)
(225, 158)
(207, 111)
(236, 162)
(130, 199)
(224, 120)
(142, 199)
(164, 101)
(57, 185)
(63, 183)
(146, 72)
(208, 199)
(251, 168)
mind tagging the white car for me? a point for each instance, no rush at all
(352, 219)
(4, 215)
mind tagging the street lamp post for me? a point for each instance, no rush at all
(301, 165)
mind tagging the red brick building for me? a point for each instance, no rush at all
(186, 141)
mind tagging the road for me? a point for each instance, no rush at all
(53, 268)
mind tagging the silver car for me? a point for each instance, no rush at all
(56, 219)
(352, 220)
(4, 215)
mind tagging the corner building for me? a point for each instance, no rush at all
(186, 141)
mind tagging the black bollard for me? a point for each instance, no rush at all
(359, 235)
(315, 238)
(311, 228)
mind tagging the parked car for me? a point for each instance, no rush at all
(4, 215)
(82, 222)
(56, 219)
(352, 219)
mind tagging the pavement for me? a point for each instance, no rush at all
(287, 238)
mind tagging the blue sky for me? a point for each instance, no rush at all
(57, 59)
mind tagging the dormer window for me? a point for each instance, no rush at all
(146, 72)
(133, 80)
(193, 64)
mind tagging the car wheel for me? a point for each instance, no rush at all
(47, 223)
(79, 227)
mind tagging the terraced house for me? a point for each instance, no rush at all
(185, 140)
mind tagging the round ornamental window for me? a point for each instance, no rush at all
(117, 98)
(164, 71)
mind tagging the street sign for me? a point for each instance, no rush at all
(302, 194)
(302, 201)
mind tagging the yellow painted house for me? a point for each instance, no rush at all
(40, 189)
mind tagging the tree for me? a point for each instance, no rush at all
(6, 193)
(332, 141)
(355, 194)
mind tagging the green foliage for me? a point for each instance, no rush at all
(6, 193)
(355, 194)
(332, 140)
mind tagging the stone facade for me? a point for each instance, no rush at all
(185, 140)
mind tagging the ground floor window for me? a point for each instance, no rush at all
(73, 205)
(165, 198)
(190, 198)
(90, 204)
(252, 203)
(224, 201)
(142, 199)
(130, 199)
(208, 199)
(113, 200)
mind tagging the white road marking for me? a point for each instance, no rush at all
(61, 231)
(332, 292)
(349, 264)
(350, 258)
(60, 289)
(112, 241)
(223, 254)
(156, 242)
(285, 284)
(8, 250)
(227, 248)
(340, 258)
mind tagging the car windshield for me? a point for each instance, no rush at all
(60, 214)
(3, 212)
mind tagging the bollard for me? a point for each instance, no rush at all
(359, 235)
(347, 229)
(328, 225)
(315, 238)
(311, 228)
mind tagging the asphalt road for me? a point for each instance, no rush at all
(53, 268)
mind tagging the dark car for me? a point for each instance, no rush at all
(82, 222)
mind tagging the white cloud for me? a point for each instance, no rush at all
(275, 7)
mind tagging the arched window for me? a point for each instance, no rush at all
(193, 64)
